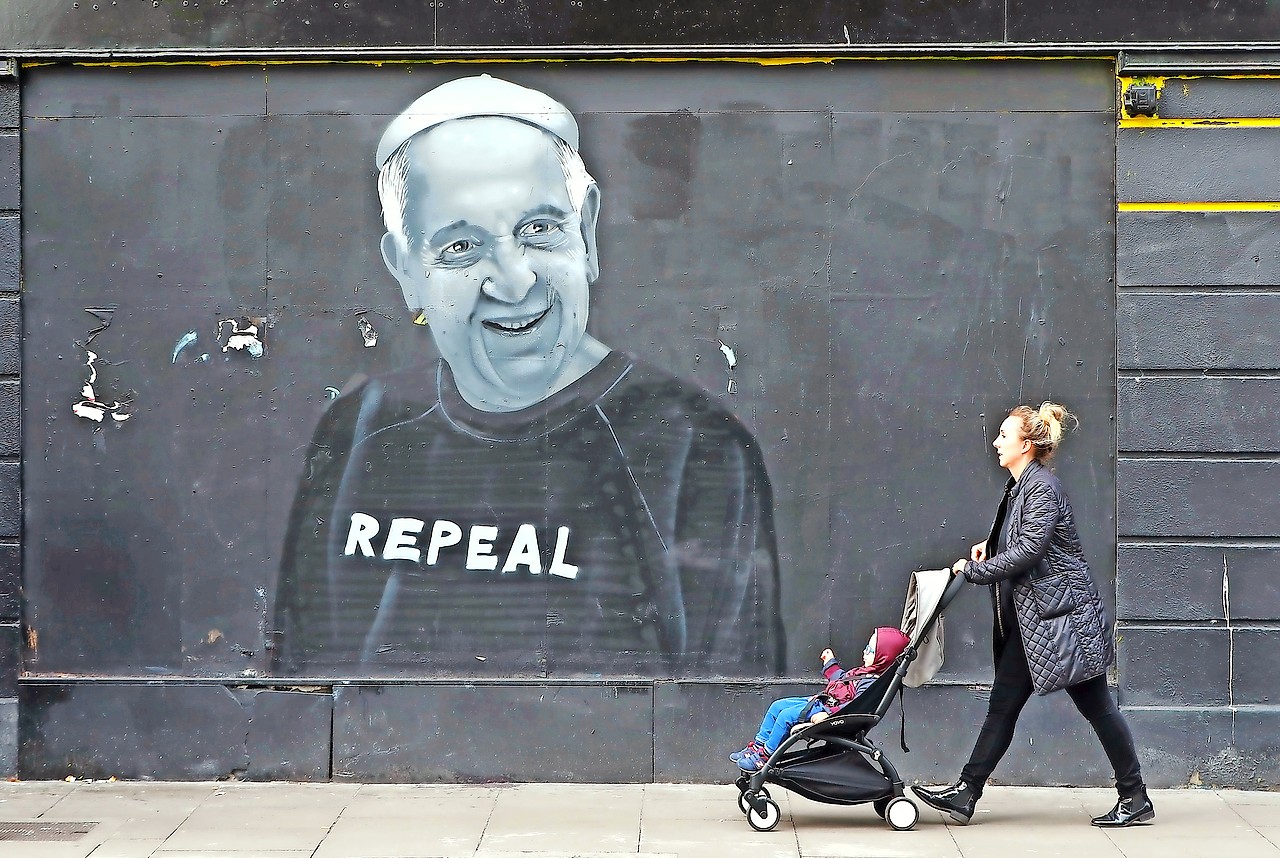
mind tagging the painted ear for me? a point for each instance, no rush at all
(396, 257)
(590, 216)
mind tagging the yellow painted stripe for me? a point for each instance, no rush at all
(1256, 206)
(1234, 122)
(1161, 80)
(763, 61)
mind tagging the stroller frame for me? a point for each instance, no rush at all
(838, 763)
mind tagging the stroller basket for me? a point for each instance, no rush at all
(833, 761)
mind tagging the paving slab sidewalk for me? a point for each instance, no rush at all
(333, 820)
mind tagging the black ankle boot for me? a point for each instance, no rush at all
(957, 800)
(1129, 810)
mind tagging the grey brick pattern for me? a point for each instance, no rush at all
(1198, 470)
(10, 425)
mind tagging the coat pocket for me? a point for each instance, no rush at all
(1052, 595)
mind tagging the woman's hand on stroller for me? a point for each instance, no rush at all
(957, 568)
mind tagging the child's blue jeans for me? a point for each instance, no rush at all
(780, 718)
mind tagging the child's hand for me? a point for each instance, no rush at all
(819, 716)
(827, 655)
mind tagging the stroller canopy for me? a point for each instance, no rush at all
(921, 621)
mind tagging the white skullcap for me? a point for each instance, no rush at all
(482, 95)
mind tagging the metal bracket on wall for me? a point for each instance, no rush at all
(8, 68)
(1140, 99)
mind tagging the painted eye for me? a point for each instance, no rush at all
(462, 245)
(538, 229)
(458, 253)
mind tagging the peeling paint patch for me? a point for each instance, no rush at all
(729, 356)
(185, 340)
(731, 360)
(244, 335)
(89, 406)
(367, 332)
(264, 633)
(1231, 644)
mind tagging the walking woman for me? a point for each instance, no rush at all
(1051, 630)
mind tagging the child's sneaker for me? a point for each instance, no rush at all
(751, 761)
(738, 755)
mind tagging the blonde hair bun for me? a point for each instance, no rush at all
(1055, 417)
(1044, 426)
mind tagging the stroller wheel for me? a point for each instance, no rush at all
(881, 805)
(743, 805)
(768, 820)
(902, 814)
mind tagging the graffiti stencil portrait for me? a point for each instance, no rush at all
(695, 342)
(533, 500)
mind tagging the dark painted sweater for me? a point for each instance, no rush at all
(623, 526)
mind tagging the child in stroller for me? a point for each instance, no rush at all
(885, 645)
(834, 760)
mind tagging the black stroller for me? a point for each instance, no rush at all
(833, 761)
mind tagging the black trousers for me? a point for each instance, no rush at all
(1010, 692)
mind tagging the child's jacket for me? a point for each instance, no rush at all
(844, 685)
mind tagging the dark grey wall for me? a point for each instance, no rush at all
(903, 250)
(10, 421)
(1198, 401)
(898, 252)
(1196, 587)
(65, 27)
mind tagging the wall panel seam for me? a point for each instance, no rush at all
(1209, 457)
(1190, 708)
(1207, 624)
(1199, 541)
(1185, 291)
(1191, 374)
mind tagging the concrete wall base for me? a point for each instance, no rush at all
(589, 732)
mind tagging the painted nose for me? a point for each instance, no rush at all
(510, 276)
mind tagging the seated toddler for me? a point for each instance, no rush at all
(886, 644)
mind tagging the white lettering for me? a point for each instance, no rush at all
(443, 534)
(558, 566)
(363, 529)
(480, 554)
(402, 540)
(524, 551)
(404, 536)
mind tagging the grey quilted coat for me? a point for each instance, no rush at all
(1060, 613)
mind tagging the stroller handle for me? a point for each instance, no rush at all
(954, 586)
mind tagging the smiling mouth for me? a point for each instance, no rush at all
(514, 328)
